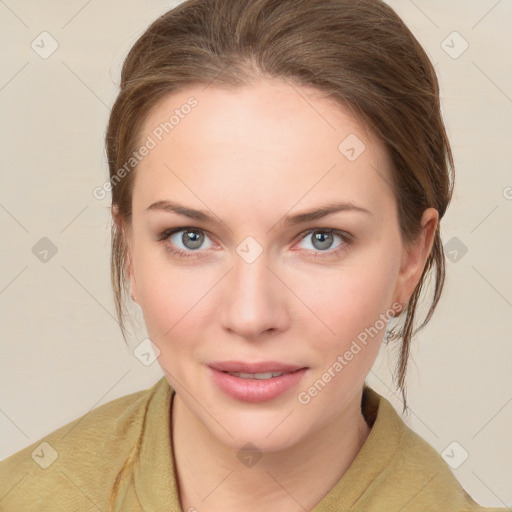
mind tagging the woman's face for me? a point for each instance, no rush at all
(248, 280)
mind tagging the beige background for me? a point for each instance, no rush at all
(62, 352)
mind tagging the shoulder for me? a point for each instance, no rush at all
(80, 459)
(421, 475)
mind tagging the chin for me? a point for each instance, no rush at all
(259, 441)
(269, 433)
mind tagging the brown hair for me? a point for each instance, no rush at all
(360, 53)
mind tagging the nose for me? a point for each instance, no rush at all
(255, 300)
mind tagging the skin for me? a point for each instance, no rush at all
(250, 157)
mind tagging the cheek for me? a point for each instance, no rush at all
(352, 306)
(174, 299)
(162, 292)
(167, 300)
(352, 298)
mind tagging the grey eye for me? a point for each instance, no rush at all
(321, 240)
(189, 239)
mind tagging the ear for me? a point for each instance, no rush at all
(414, 257)
(124, 230)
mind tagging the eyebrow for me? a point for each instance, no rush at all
(293, 219)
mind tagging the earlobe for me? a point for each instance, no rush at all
(415, 256)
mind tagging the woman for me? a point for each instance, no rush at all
(278, 170)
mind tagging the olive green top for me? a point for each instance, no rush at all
(118, 457)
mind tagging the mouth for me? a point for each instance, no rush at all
(256, 382)
(260, 368)
(259, 376)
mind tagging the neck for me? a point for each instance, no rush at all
(210, 477)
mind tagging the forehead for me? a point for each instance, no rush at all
(271, 141)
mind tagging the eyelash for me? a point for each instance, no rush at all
(347, 239)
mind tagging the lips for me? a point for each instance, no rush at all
(255, 385)
(252, 368)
